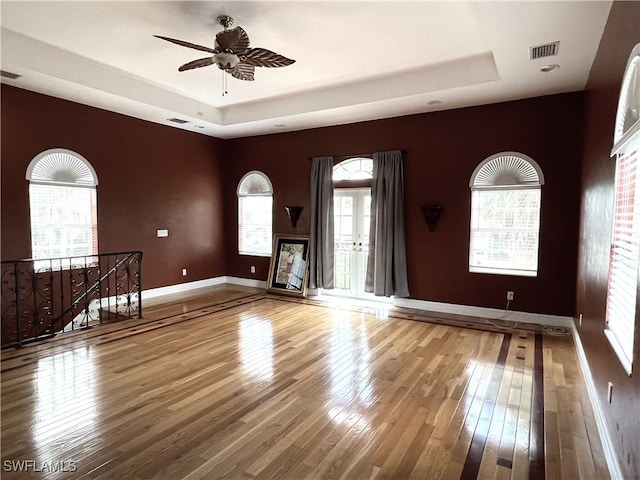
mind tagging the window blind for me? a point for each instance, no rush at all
(504, 231)
(63, 222)
(254, 225)
(624, 255)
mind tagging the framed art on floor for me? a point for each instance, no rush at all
(289, 265)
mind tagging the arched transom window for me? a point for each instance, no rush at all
(353, 169)
(255, 214)
(505, 215)
(63, 206)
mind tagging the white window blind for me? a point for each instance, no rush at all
(255, 214)
(625, 255)
(62, 221)
(254, 225)
(504, 231)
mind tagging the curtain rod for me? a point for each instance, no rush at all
(340, 158)
(344, 157)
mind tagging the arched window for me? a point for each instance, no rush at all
(624, 257)
(505, 215)
(255, 217)
(353, 169)
(62, 199)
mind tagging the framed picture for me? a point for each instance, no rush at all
(289, 265)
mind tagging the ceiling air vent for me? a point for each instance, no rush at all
(178, 120)
(12, 76)
(546, 50)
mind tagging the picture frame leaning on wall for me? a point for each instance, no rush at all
(288, 271)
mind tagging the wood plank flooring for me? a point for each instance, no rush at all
(231, 383)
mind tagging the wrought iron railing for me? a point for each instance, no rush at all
(44, 297)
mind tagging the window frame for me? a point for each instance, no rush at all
(60, 168)
(503, 172)
(353, 175)
(265, 193)
(621, 310)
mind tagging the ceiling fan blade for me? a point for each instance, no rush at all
(187, 44)
(235, 40)
(261, 57)
(201, 62)
(242, 71)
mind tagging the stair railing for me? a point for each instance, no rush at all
(44, 297)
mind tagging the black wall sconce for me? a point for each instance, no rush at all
(431, 215)
(294, 214)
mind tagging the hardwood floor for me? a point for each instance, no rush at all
(231, 383)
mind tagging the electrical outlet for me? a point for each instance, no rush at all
(253, 269)
(509, 295)
(184, 272)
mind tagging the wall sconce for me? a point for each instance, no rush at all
(294, 214)
(431, 215)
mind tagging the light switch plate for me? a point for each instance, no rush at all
(163, 233)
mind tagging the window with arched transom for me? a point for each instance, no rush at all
(63, 206)
(506, 191)
(255, 214)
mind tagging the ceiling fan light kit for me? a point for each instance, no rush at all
(226, 61)
(232, 53)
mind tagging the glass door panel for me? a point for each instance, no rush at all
(351, 234)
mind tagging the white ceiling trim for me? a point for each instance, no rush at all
(355, 60)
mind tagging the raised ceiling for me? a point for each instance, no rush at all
(355, 60)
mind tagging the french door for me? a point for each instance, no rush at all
(352, 214)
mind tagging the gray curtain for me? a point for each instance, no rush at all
(321, 245)
(387, 263)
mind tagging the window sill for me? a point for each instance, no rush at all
(253, 254)
(503, 271)
(627, 364)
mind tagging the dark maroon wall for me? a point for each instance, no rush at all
(150, 177)
(623, 414)
(441, 150)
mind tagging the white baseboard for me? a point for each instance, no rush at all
(209, 282)
(484, 312)
(598, 412)
(182, 287)
(188, 286)
(246, 282)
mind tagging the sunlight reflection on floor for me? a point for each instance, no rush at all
(256, 347)
(66, 399)
(351, 385)
(379, 307)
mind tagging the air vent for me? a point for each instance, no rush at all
(12, 76)
(542, 51)
(178, 120)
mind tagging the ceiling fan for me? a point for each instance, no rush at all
(232, 53)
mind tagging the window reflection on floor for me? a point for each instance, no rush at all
(66, 402)
(351, 386)
(256, 347)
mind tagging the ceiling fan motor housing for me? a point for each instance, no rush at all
(225, 61)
